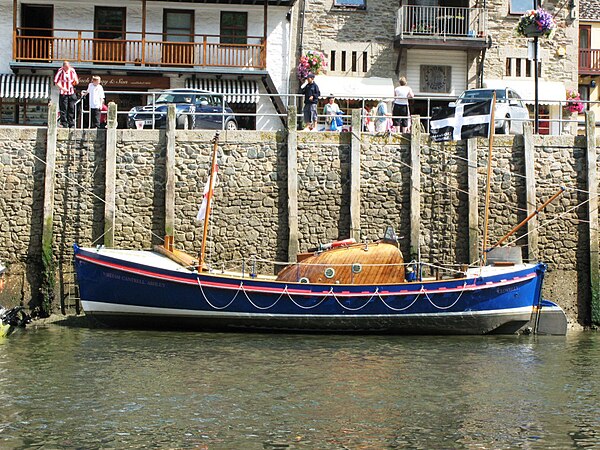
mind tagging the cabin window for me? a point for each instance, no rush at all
(234, 27)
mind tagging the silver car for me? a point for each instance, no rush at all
(510, 114)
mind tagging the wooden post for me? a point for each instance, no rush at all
(415, 187)
(528, 150)
(170, 179)
(292, 184)
(592, 180)
(14, 54)
(111, 176)
(473, 200)
(143, 61)
(355, 176)
(48, 219)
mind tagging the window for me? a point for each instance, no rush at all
(356, 4)
(178, 25)
(521, 6)
(234, 27)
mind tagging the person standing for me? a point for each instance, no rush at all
(401, 112)
(311, 98)
(95, 91)
(66, 79)
(331, 111)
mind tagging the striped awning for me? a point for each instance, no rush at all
(235, 91)
(24, 86)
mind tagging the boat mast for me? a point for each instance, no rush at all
(489, 177)
(209, 194)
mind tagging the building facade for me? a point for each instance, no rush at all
(444, 47)
(239, 48)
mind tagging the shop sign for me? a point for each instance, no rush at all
(125, 82)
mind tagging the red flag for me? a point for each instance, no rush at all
(207, 190)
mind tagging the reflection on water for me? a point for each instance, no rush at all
(96, 388)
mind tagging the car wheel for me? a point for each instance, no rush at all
(231, 125)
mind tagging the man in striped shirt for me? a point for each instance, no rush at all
(66, 79)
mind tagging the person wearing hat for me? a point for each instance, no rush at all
(331, 111)
(311, 98)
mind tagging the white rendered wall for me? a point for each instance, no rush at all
(76, 15)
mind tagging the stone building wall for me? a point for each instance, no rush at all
(251, 205)
(556, 65)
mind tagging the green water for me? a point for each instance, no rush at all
(64, 387)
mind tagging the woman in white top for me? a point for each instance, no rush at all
(331, 110)
(401, 112)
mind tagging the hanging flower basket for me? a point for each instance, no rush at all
(312, 62)
(536, 22)
(574, 103)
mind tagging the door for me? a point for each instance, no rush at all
(208, 110)
(178, 34)
(585, 59)
(109, 34)
(34, 42)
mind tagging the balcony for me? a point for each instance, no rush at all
(137, 49)
(431, 26)
(589, 61)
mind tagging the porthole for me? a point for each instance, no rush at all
(329, 272)
(356, 268)
(304, 280)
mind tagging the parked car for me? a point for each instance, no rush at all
(510, 113)
(194, 109)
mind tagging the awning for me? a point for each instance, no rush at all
(355, 87)
(236, 91)
(24, 86)
(549, 92)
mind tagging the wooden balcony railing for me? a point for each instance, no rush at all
(442, 21)
(589, 61)
(152, 49)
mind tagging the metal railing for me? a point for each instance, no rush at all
(561, 122)
(589, 61)
(135, 48)
(441, 20)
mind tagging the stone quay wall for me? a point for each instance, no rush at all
(251, 213)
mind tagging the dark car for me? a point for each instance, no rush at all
(194, 109)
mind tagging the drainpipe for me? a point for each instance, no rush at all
(301, 38)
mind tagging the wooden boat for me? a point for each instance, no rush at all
(132, 288)
(342, 286)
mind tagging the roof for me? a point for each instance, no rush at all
(589, 10)
(355, 87)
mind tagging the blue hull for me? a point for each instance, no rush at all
(126, 292)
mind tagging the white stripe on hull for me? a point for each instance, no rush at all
(115, 309)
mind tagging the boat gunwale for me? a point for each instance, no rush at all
(469, 284)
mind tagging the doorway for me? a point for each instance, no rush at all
(178, 32)
(109, 34)
(37, 23)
